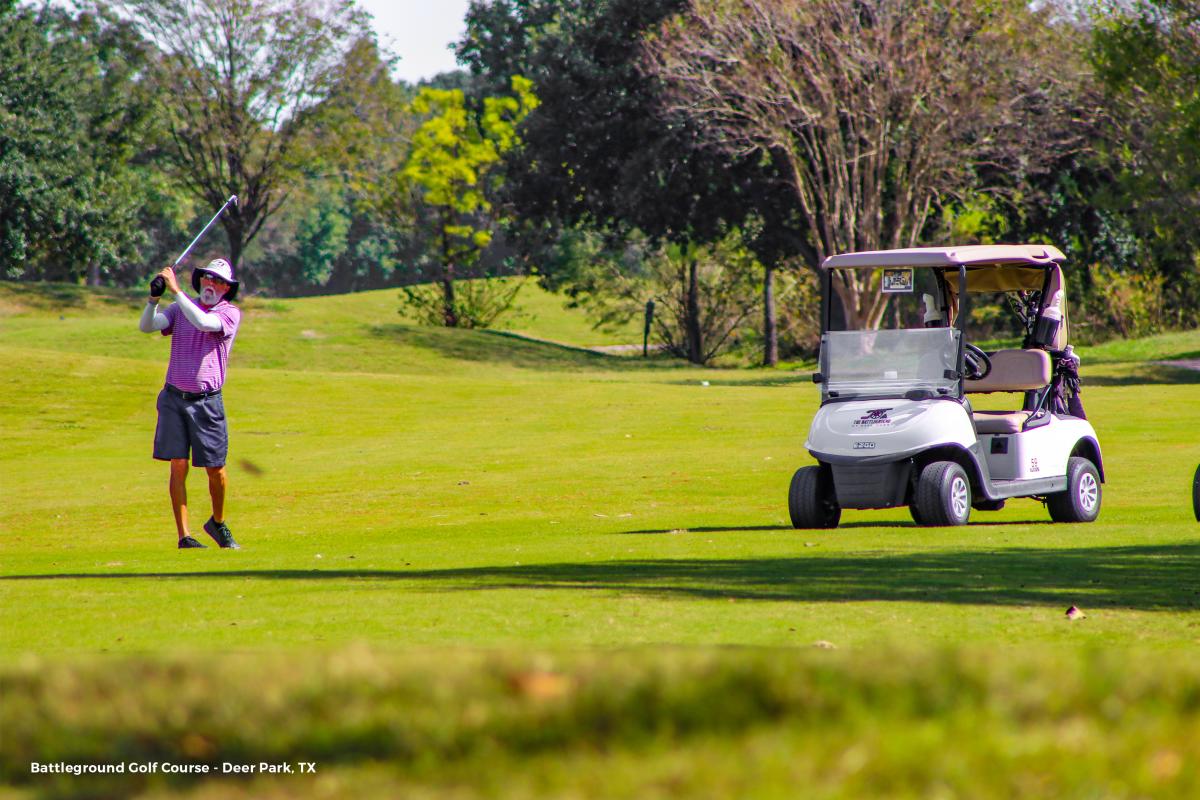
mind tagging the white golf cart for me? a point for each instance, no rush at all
(896, 427)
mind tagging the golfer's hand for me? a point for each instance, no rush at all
(168, 275)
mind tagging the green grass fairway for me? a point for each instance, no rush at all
(478, 565)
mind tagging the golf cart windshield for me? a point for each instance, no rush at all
(890, 363)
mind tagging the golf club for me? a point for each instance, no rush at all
(158, 285)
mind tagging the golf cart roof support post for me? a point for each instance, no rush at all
(964, 309)
(939, 279)
(826, 277)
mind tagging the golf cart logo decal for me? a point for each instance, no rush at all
(897, 280)
(1033, 465)
(878, 416)
(864, 445)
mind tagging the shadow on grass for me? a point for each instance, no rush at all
(50, 297)
(59, 297)
(514, 349)
(1160, 577)
(770, 380)
(1143, 373)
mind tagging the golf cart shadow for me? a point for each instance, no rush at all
(883, 523)
(911, 524)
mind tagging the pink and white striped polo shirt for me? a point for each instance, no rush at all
(199, 359)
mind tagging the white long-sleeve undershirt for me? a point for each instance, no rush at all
(153, 321)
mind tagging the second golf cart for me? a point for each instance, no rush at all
(896, 426)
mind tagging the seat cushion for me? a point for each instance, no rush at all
(994, 422)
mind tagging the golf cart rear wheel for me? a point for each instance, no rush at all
(811, 499)
(1196, 494)
(943, 495)
(1081, 501)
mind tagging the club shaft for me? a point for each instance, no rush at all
(188, 249)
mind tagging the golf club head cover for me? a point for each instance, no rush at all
(157, 286)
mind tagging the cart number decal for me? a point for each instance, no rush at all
(1033, 467)
(897, 280)
(864, 445)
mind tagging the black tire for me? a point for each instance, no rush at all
(916, 512)
(1196, 494)
(812, 502)
(1081, 501)
(943, 495)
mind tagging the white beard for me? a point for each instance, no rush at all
(209, 296)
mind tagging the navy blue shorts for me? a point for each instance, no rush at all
(197, 426)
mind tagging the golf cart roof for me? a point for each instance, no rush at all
(990, 267)
(1016, 255)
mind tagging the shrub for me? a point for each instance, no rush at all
(1128, 305)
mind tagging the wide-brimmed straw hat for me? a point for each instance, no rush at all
(218, 268)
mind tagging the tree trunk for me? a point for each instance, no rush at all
(236, 246)
(770, 327)
(694, 344)
(93, 276)
(449, 315)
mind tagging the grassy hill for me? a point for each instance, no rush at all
(477, 565)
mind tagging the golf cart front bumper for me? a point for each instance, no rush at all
(876, 485)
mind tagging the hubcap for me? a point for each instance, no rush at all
(960, 497)
(1089, 492)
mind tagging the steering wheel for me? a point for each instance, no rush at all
(977, 363)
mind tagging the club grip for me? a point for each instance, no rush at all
(157, 286)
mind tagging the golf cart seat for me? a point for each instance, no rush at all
(1012, 371)
(1000, 422)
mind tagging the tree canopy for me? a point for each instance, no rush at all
(237, 84)
(694, 152)
(880, 109)
(72, 119)
(450, 170)
(1147, 54)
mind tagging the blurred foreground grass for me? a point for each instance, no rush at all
(676, 722)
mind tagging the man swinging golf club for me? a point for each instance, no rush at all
(191, 413)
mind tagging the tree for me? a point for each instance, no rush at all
(1147, 55)
(238, 83)
(879, 109)
(599, 152)
(72, 120)
(711, 286)
(35, 164)
(332, 236)
(449, 171)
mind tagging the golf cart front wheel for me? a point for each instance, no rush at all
(943, 495)
(811, 499)
(1081, 501)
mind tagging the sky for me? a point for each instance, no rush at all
(420, 32)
